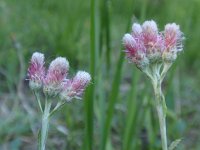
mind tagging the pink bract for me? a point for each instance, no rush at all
(75, 87)
(173, 37)
(36, 70)
(57, 71)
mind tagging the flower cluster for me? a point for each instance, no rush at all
(146, 45)
(54, 81)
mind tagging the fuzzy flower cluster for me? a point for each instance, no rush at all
(146, 45)
(54, 81)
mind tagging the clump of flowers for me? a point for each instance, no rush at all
(54, 84)
(153, 52)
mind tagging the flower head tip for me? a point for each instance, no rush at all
(36, 71)
(75, 87)
(57, 72)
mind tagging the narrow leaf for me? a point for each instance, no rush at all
(39, 140)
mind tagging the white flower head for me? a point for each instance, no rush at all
(136, 29)
(150, 27)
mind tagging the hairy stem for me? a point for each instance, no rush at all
(165, 69)
(45, 126)
(161, 110)
(38, 100)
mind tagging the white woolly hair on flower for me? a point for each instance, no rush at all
(136, 29)
(128, 40)
(36, 71)
(59, 63)
(83, 76)
(172, 26)
(74, 88)
(150, 26)
(39, 57)
(173, 30)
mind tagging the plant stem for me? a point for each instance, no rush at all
(45, 125)
(162, 122)
(38, 100)
(161, 110)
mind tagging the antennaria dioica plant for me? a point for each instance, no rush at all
(54, 84)
(154, 52)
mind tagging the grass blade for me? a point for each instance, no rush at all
(112, 99)
(132, 105)
(89, 96)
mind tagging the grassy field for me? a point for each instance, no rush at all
(116, 112)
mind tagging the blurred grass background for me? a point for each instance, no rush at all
(116, 112)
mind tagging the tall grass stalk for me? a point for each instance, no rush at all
(89, 96)
(131, 114)
(107, 31)
(112, 100)
(115, 87)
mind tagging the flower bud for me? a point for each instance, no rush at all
(130, 45)
(150, 31)
(135, 51)
(74, 88)
(36, 71)
(173, 42)
(173, 36)
(136, 30)
(153, 41)
(56, 74)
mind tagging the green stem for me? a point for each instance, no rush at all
(38, 100)
(45, 125)
(165, 69)
(162, 122)
(58, 106)
(161, 110)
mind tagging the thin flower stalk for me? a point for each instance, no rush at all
(45, 125)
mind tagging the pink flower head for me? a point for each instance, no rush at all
(135, 49)
(130, 45)
(173, 37)
(146, 46)
(151, 38)
(80, 81)
(56, 74)
(136, 30)
(36, 71)
(74, 88)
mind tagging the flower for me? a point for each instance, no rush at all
(56, 74)
(75, 87)
(152, 40)
(36, 71)
(136, 30)
(173, 38)
(150, 33)
(135, 50)
(147, 46)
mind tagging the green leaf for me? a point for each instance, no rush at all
(39, 139)
(89, 95)
(174, 144)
